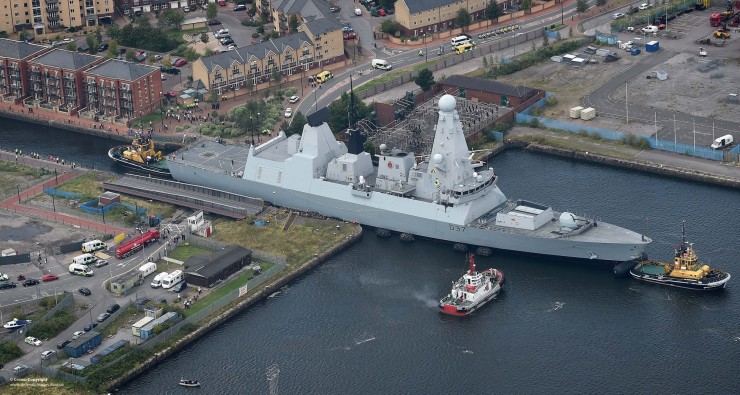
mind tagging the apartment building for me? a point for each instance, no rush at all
(121, 89)
(48, 16)
(14, 57)
(56, 79)
(418, 17)
(317, 43)
(126, 7)
(279, 11)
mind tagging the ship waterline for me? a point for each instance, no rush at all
(445, 197)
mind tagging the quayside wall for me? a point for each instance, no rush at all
(654, 168)
(221, 318)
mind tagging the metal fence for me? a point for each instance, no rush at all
(525, 117)
(66, 300)
(60, 193)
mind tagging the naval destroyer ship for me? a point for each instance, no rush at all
(445, 196)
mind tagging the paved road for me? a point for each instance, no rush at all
(322, 96)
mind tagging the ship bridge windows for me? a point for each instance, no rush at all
(471, 191)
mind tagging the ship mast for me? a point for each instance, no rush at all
(471, 260)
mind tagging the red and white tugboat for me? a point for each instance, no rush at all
(472, 290)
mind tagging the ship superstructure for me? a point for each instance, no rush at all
(443, 196)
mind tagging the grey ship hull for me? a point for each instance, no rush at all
(393, 213)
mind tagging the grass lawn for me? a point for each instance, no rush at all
(15, 175)
(182, 252)
(178, 34)
(394, 74)
(302, 241)
(233, 284)
(122, 321)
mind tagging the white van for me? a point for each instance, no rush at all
(157, 282)
(460, 40)
(94, 245)
(172, 279)
(147, 269)
(650, 29)
(80, 270)
(223, 31)
(84, 259)
(722, 142)
(381, 64)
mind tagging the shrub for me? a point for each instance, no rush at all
(635, 141)
(53, 326)
(9, 351)
(551, 101)
(534, 122)
(582, 133)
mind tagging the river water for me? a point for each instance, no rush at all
(365, 321)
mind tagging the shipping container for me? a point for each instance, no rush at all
(136, 327)
(147, 330)
(84, 343)
(108, 350)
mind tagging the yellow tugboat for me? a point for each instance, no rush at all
(141, 157)
(684, 272)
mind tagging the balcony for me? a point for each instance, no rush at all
(53, 18)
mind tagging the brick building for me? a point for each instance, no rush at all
(487, 91)
(56, 79)
(317, 43)
(417, 17)
(279, 11)
(14, 56)
(49, 16)
(122, 89)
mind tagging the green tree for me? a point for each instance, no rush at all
(293, 23)
(172, 17)
(463, 18)
(112, 48)
(526, 4)
(296, 125)
(581, 6)
(211, 11)
(130, 54)
(167, 62)
(339, 110)
(204, 37)
(387, 4)
(277, 76)
(389, 26)
(90, 41)
(23, 34)
(72, 46)
(493, 11)
(114, 32)
(425, 79)
(603, 2)
(368, 147)
(249, 84)
(98, 36)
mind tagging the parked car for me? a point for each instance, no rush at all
(288, 112)
(214, 22)
(77, 335)
(20, 370)
(334, 9)
(63, 343)
(3, 277)
(180, 62)
(240, 7)
(645, 6)
(347, 29)
(350, 36)
(29, 282)
(293, 99)
(90, 326)
(103, 47)
(49, 277)
(179, 287)
(231, 47)
(113, 308)
(7, 284)
(171, 70)
(101, 263)
(358, 12)
(33, 341)
(617, 15)
(47, 354)
(163, 77)
(68, 40)
(142, 301)
(381, 12)
(171, 95)
(103, 316)
(85, 291)
(157, 57)
(226, 41)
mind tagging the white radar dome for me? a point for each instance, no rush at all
(437, 158)
(447, 103)
(383, 147)
(568, 220)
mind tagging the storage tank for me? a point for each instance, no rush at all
(575, 112)
(588, 113)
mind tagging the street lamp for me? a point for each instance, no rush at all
(516, 43)
(426, 50)
(562, 11)
(161, 107)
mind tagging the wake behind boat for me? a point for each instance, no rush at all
(141, 157)
(684, 272)
(189, 383)
(472, 290)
